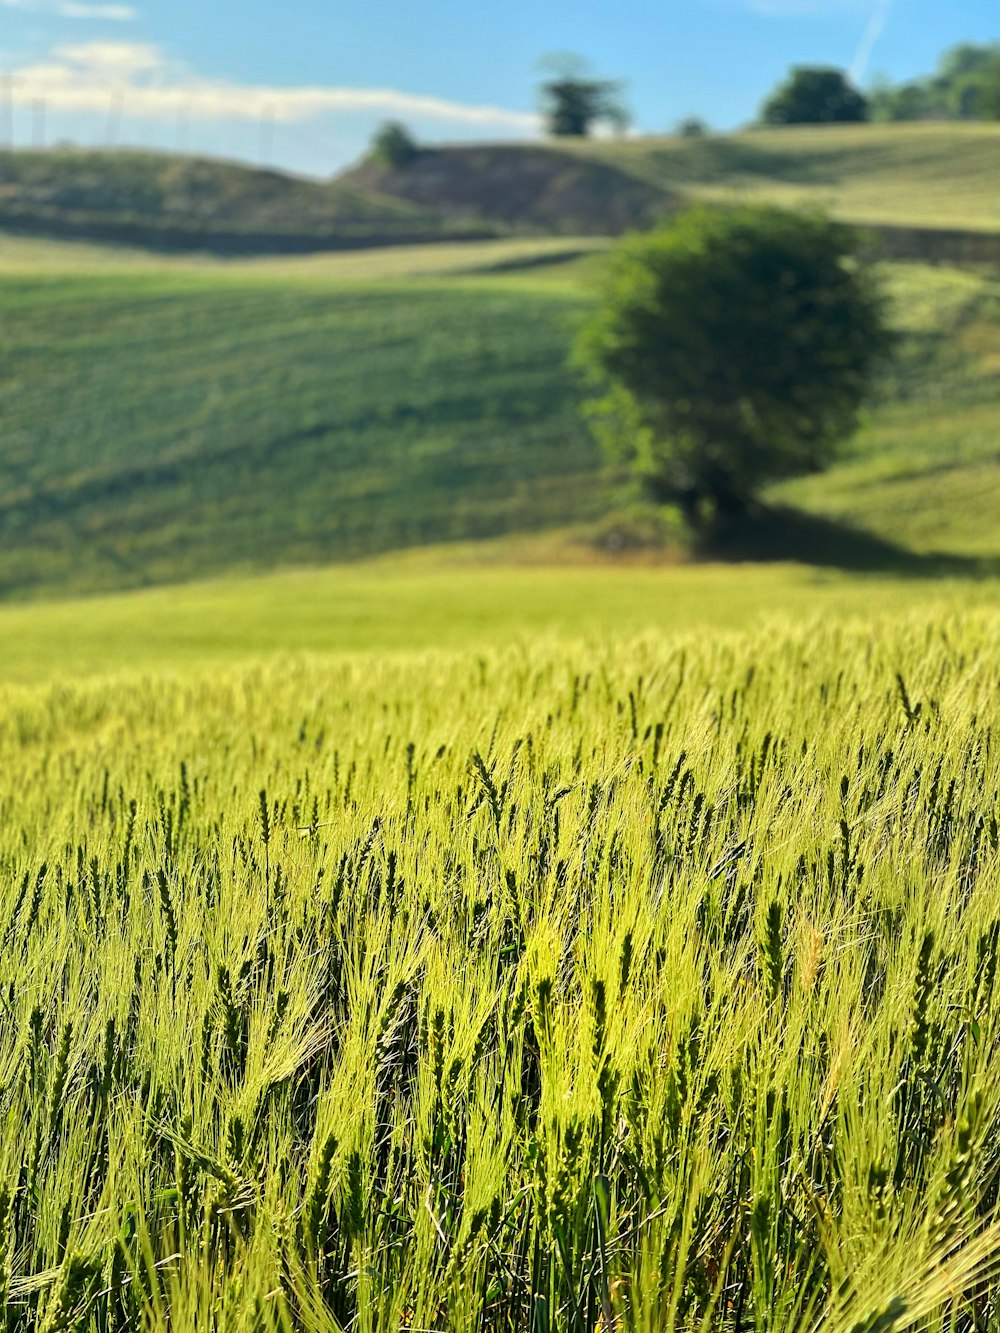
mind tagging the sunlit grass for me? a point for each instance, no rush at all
(472, 597)
(641, 984)
(928, 175)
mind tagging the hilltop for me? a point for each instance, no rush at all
(933, 185)
(547, 188)
(160, 201)
(931, 188)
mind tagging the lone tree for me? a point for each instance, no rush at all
(814, 97)
(692, 127)
(393, 145)
(732, 348)
(574, 103)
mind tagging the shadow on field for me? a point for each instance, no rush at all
(782, 533)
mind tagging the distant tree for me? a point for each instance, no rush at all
(988, 100)
(574, 103)
(966, 86)
(393, 145)
(968, 77)
(909, 101)
(813, 96)
(692, 127)
(732, 348)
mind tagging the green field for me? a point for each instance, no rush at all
(646, 987)
(174, 420)
(923, 472)
(167, 419)
(167, 423)
(920, 175)
(473, 599)
(397, 606)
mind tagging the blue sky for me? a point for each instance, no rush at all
(302, 83)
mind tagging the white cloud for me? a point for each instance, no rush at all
(85, 77)
(75, 9)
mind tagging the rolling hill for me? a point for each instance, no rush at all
(902, 175)
(927, 187)
(165, 421)
(159, 201)
(937, 181)
(165, 202)
(168, 420)
(542, 189)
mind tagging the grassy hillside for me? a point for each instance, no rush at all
(928, 175)
(540, 189)
(900, 175)
(167, 420)
(447, 941)
(184, 203)
(925, 470)
(169, 423)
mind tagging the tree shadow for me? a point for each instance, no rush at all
(781, 533)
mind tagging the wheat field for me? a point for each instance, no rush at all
(638, 986)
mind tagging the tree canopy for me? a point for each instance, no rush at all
(574, 103)
(732, 348)
(393, 145)
(965, 87)
(692, 127)
(814, 96)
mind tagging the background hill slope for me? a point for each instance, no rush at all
(935, 176)
(543, 189)
(165, 420)
(184, 203)
(899, 175)
(161, 423)
(920, 174)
